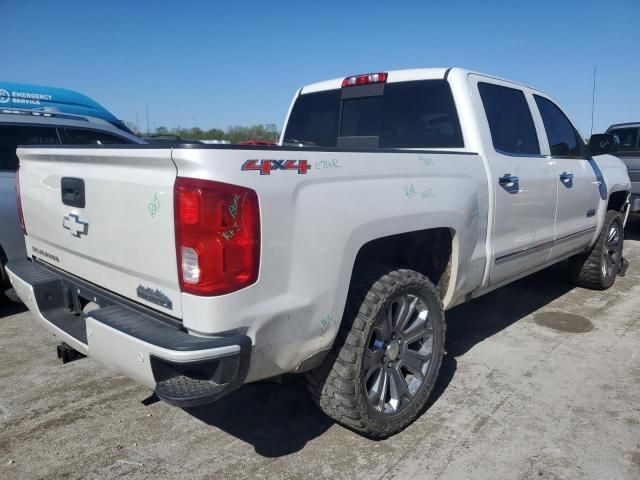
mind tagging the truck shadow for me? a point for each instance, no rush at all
(632, 232)
(8, 308)
(279, 418)
(472, 322)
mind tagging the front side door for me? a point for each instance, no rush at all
(577, 181)
(524, 180)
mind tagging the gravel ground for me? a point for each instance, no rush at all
(540, 380)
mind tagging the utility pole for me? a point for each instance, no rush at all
(147, 108)
(593, 97)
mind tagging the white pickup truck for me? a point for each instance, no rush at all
(393, 197)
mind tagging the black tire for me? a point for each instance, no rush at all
(598, 268)
(339, 385)
(4, 283)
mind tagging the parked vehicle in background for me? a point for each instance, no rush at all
(393, 197)
(167, 140)
(256, 142)
(47, 122)
(21, 96)
(629, 152)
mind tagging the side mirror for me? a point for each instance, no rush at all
(601, 143)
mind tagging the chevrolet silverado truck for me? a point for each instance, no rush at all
(629, 152)
(390, 198)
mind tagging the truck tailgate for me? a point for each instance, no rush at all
(105, 215)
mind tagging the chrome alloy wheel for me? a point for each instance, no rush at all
(612, 250)
(398, 355)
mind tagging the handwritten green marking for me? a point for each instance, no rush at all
(327, 164)
(154, 206)
(409, 190)
(326, 323)
(428, 193)
(233, 208)
(426, 161)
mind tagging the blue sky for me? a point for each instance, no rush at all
(215, 64)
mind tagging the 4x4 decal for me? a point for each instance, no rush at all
(266, 166)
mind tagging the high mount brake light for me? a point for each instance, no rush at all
(365, 79)
(19, 203)
(217, 236)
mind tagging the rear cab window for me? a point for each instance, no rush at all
(13, 135)
(510, 122)
(410, 114)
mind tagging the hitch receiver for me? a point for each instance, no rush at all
(67, 354)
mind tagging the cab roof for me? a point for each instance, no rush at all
(434, 73)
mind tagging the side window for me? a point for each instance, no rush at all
(628, 137)
(13, 135)
(563, 138)
(78, 136)
(512, 128)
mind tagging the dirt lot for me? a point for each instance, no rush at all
(540, 380)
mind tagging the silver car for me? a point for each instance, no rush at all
(629, 153)
(29, 127)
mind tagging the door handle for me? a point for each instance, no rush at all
(508, 180)
(566, 177)
(72, 191)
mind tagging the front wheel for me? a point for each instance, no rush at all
(385, 361)
(598, 268)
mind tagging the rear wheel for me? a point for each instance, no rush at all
(386, 359)
(4, 280)
(598, 268)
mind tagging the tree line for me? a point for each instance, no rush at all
(234, 134)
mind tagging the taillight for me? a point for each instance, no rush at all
(365, 79)
(19, 203)
(217, 236)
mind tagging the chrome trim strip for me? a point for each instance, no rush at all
(541, 246)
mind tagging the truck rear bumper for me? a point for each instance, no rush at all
(153, 349)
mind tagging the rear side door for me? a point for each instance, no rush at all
(524, 181)
(577, 181)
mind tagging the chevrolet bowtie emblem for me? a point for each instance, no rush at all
(76, 226)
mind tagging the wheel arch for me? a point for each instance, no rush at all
(430, 251)
(618, 201)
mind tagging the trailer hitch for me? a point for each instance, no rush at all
(67, 354)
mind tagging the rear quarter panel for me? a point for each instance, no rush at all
(314, 224)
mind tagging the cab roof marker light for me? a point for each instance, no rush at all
(365, 79)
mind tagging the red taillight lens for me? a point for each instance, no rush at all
(217, 236)
(19, 203)
(365, 79)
